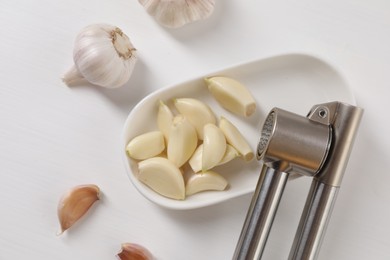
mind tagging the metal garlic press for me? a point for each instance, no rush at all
(318, 146)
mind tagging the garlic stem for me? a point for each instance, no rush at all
(73, 77)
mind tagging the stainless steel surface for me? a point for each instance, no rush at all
(345, 120)
(261, 214)
(296, 143)
(315, 218)
(319, 146)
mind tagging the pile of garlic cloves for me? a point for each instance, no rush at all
(177, 13)
(178, 159)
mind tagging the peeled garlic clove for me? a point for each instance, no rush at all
(198, 113)
(195, 161)
(176, 13)
(232, 95)
(214, 146)
(146, 145)
(164, 119)
(182, 141)
(103, 55)
(208, 180)
(75, 203)
(132, 251)
(229, 155)
(236, 139)
(162, 176)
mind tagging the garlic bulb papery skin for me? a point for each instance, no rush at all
(103, 55)
(177, 13)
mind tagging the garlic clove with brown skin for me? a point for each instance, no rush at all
(75, 203)
(132, 251)
(103, 55)
(177, 13)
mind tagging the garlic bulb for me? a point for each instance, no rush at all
(176, 13)
(103, 55)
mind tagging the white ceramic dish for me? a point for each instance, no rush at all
(294, 82)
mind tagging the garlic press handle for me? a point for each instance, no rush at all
(261, 214)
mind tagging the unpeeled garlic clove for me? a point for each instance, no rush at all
(214, 146)
(208, 180)
(164, 119)
(162, 176)
(232, 95)
(236, 139)
(176, 13)
(103, 55)
(75, 203)
(182, 140)
(146, 145)
(198, 113)
(132, 251)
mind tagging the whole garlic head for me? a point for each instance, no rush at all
(176, 13)
(103, 55)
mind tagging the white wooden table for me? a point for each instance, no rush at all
(53, 137)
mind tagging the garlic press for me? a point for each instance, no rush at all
(316, 146)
